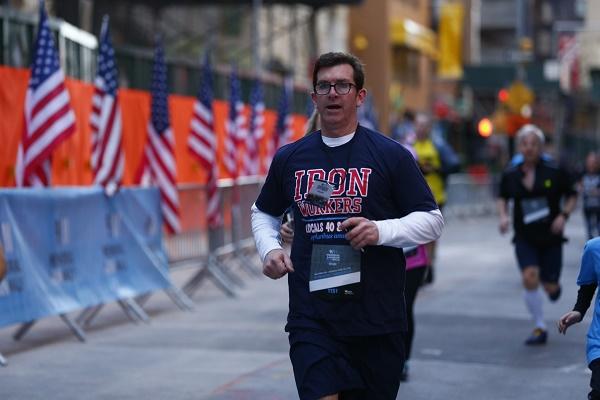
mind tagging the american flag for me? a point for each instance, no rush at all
(283, 128)
(202, 142)
(159, 157)
(236, 129)
(256, 129)
(49, 118)
(107, 156)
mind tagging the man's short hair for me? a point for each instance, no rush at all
(333, 59)
(530, 129)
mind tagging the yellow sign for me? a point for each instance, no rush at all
(450, 39)
(519, 96)
(409, 33)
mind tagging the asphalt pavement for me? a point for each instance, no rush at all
(471, 323)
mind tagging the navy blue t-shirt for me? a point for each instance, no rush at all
(377, 178)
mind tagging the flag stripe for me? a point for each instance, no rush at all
(107, 119)
(110, 150)
(54, 121)
(54, 135)
(40, 92)
(50, 102)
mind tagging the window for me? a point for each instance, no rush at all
(405, 66)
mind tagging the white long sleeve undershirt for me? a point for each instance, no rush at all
(265, 229)
(416, 228)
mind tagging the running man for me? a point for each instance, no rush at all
(357, 197)
(537, 187)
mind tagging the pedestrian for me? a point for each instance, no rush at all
(416, 266)
(536, 186)
(404, 131)
(430, 162)
(589, 276)
(358, 198)
(590, 191)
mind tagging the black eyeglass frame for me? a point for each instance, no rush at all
(335, 87)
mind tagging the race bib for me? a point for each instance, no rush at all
(333, 266)
(534, 209)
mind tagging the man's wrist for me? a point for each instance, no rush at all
(565, 214)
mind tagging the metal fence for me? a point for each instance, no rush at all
(78, 49)
(216, 252)
(470, 195)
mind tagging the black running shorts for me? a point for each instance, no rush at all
(364, 367)
(547, 258)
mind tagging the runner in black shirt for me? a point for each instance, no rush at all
(537, 188)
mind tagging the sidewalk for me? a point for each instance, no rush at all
(470, 327)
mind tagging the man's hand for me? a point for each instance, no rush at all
(558, 225)
(277, 263)
(570, 318)
(504, 224)
(286, 232)
(361, 232)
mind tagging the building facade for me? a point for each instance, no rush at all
(394, 40)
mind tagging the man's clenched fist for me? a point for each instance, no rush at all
(277, 263)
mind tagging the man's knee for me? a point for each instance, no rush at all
(531, 278)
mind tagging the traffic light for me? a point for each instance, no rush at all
(485, 127)
(503, 95)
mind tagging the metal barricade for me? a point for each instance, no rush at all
(470, 195)
(216, 252)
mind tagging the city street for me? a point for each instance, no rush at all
(471, 324)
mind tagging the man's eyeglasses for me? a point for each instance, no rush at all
(342, 88)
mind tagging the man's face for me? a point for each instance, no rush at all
(591, 163)
(531, 148)
(422, 128)
(338, 111)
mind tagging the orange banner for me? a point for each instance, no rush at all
(71, 160)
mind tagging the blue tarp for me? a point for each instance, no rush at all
(68, 249)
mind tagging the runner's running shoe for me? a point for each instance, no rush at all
(555, 296)
(538, 337)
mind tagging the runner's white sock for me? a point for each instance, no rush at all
(534, 302)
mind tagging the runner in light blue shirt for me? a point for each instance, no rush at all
(588, 282)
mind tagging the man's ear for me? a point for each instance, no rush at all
(313, 96)
(360, 97)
